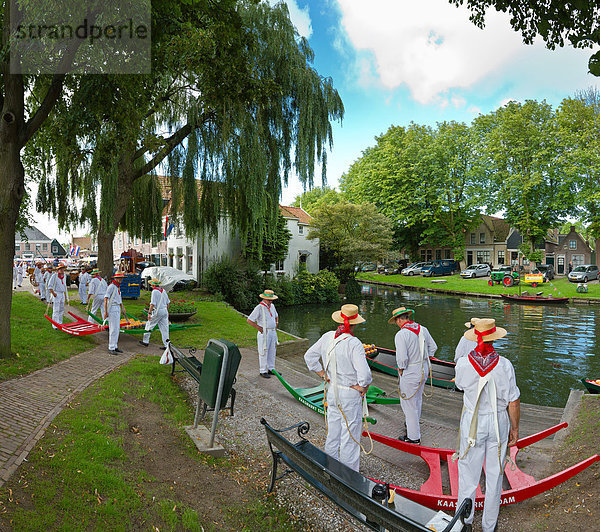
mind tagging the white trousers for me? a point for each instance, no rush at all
(42, 287)
(97, 303)
(114, 324)
(83, 293)
(409, 386)
(469, 467)
(339, 444)
(160, 318)
(20, 278)
(266, 361)
(58, 308)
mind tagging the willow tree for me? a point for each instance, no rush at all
(231, 108)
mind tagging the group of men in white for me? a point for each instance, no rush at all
(491, 408)
(50, 283)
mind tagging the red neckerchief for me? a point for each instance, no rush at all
(97, 277)
(157, 288)
(345, 327)
(341, 330)
(268, 307)
(412, 326)
(118, 287)
(61, 277)
(484, 359)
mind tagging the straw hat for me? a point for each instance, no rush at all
(485, 325)
(471, 323)
(398, 312)
(61, 267)
(350, 311)
(268, 294)
(96, 271)
(119, 275)
(154, 282)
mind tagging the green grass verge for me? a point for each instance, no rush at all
(80, 476)
(559, 287)
(34, 343)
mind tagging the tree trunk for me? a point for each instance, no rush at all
(12, 189)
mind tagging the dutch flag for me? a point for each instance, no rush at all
(74, 251)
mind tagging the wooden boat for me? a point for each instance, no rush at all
(522, 485)
(79, 327)
(133, 325)
(384, 360)
(592, 386)
(313, 397)
(534, 298)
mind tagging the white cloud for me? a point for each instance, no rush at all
(299, 17)
(431, 47)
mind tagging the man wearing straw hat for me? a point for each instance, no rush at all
(57, 287)
(84, 280)
(113, 306)
(96, 291)
(465, 346)
(489, 420)
(339, 358)
(264, 319)
(414, 347)
(158, 313)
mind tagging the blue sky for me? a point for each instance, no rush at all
(399, 61)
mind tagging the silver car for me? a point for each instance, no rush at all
(476, 270)
(415, 268)
(583, 274)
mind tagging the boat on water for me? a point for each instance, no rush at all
(384, 360)
(313, 397)
(593, 386)
(522, 485)
(534, 298)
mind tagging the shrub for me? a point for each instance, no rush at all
(237, 282)
(319, 288)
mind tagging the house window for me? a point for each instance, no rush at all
(482, 238)
(500, 257)
(429, 254)
(190, 258)
(45, 247)
(170, 253)
(17, 247)
(438, 254)
(279, 265)
(483, 257)
(577, 260)
(572, 244)
(38, 247)
(300, 230)
(473, 238)
(27, 247)
(423, 255)
(447, 254)
(55, 250)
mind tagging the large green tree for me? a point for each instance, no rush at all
(349, 234)
(272, 249)
(556, 21)
(317, 197)
(231, 107)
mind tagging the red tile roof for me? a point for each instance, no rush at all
(295, 212)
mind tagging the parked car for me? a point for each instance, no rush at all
(415, 268)
(439, 267)
(476, 270)
(505, 275)
(140, 266)
(368, 267)
(547, 270)
(389, 268)
(583, 274)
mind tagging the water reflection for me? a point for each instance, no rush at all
(552, 347)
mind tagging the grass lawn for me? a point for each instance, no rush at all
(560, 287)
(35, 344)
(109, 463)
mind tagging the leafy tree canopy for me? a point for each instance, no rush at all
(556, 21)
(317, 197)
(273, 248)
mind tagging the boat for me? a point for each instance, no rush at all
(593, 386)
(384, 360)
(79, 327)
(522, 485)
(313, 397)
(534, 298)
(133, 325)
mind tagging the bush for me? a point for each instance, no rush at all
(237, 282)
(319, 288)
(353, 291)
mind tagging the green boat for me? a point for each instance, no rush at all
(384, 360)
(313, 397)
(142, 329)
(591, 386)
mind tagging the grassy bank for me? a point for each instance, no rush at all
(118, 459)
(559, 287)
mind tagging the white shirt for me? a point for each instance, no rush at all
(258, 315)
(97, 287)
(467, 379)
(463, 348)
(407, 347)
(84, 278)
(113, 294)
(352, 367)
(57, 284)
(159, 300)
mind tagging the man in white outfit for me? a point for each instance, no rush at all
(38, 280)
(20, 270)
(158, 313)
(84, 280)
(264, 319)
(47, 275)
(57, 286)
(489, 421)
(414, 347)
(113, 306)
(465, 346)
(339, 358)
(96, 291)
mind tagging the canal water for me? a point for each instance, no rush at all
(550, 346)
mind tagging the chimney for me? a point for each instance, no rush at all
(572, 229)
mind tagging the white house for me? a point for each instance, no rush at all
(302, 253)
